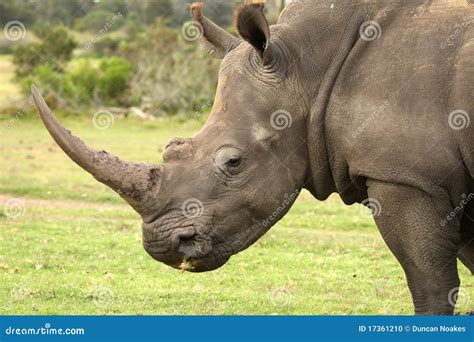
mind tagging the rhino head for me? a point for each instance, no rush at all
(219, 191)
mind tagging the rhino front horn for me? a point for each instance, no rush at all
(137, 183)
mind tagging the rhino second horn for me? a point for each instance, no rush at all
(137, 183)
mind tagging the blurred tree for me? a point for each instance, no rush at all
(54, 11)
(51, 11)
(149, 10)
(15, 10)
(57, 43)
(111, 6)
(170, 75)
(217, 10)
(101, 13)
(54, 50)
(26, 59)
(96, 20)
(71, 11)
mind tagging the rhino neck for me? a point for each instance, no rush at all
(321, 37)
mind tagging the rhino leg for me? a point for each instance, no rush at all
(466, 245)
(409, 221)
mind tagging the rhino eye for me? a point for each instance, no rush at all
(229, 159)
(233, 162)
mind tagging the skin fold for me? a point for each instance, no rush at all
(355, 98)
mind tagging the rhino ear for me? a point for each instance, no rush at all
(215, 40)
(251, 24)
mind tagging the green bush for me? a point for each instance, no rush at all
(57, 43)
(26, 59)
(84, 75)
(158, 71)
(54, 50)
(172, 75)
(116, 74)
(85, 82)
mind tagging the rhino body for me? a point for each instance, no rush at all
(371, 100)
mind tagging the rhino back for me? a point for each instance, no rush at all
(388, 113)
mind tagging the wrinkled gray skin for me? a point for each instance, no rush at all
(369, 119)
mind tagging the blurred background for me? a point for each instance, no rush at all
(121, 54)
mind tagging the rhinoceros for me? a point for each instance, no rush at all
(371, 100)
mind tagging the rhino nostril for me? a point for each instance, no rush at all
(186, 239)
(187, 246)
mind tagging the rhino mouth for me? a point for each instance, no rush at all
(206, 263)
(201, 263)
(187, 248)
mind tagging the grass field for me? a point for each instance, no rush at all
(76, 248)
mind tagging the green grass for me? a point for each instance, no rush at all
(77, 248)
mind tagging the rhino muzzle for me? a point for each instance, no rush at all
(139, 184)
